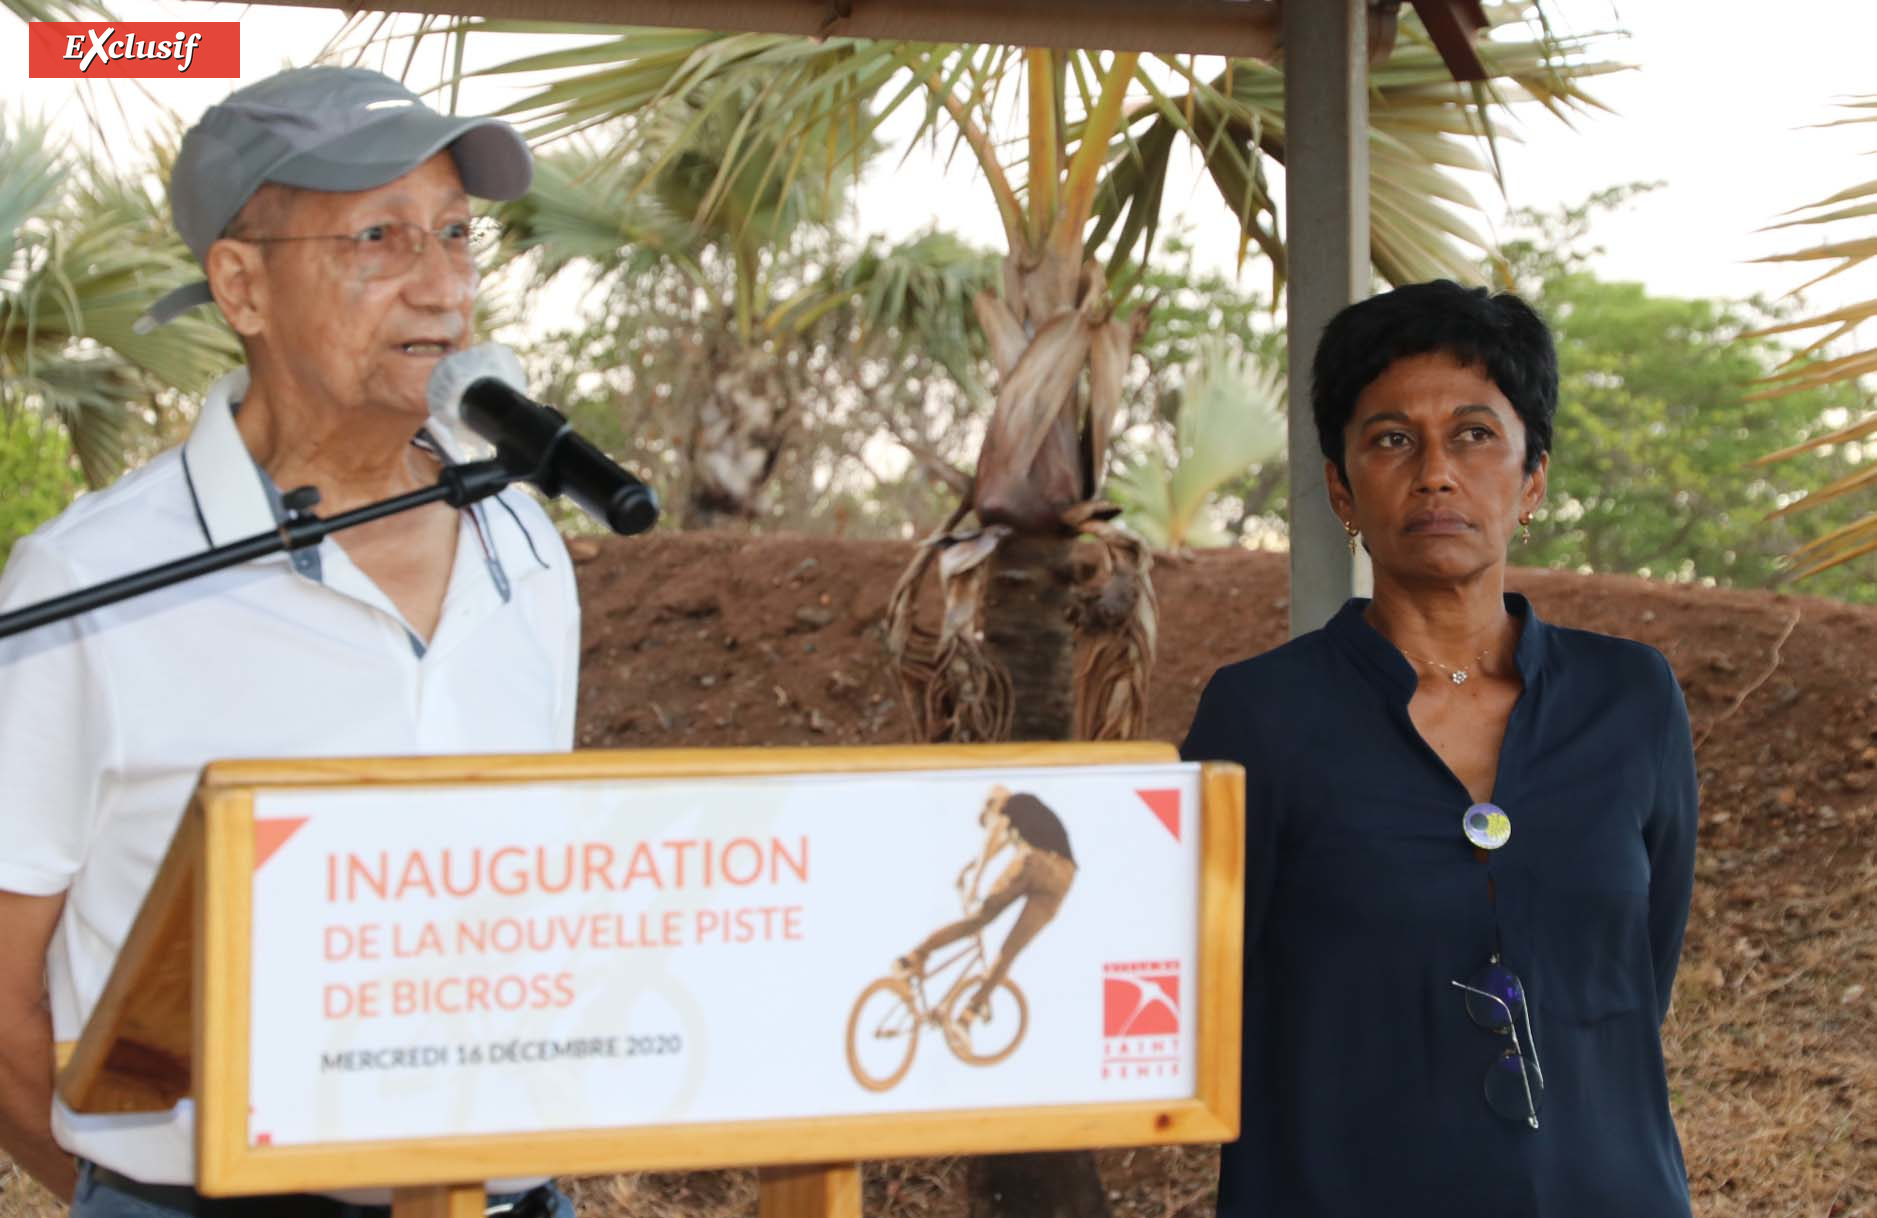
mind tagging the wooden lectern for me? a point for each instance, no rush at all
(174, 1020)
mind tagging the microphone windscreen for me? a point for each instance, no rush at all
(454, 374)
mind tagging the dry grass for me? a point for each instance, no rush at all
(1163, 1182)
(1772, 1045)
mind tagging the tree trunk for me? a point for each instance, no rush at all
(741, 423)
(1026, 628)
(1063, 1184)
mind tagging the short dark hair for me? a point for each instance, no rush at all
(1499, 333)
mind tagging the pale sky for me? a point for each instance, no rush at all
(1717, 109)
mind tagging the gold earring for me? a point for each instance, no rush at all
(1353, 534)
(1525, 529)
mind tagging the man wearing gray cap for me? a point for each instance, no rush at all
(330, 210)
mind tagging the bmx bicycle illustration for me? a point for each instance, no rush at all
(979, 1011)
(883, 1028)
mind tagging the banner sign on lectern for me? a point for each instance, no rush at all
(443, 960)
(422, 973)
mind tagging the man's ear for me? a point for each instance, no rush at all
(237, 273)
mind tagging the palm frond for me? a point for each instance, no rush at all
(914, 294)
(585, 206)
(95, 401)
(32, 171)
(1425, 130)
(93, 251)
(1231, 417)
(1806, 368)
(1842, 545)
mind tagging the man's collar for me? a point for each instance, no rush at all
(231, 502)
(231, 499)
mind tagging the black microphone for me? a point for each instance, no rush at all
(480, 389)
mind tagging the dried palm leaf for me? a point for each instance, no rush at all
(954, 689)
(1804, 369)
(1116, 614)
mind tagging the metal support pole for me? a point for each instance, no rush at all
(1326, 165)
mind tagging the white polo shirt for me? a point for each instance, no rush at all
(107, 720)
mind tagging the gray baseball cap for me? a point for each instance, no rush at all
(322, 128)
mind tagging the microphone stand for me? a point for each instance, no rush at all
(458, 485)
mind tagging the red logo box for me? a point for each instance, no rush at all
(1140, 1019)
(133, 50)
(1141, 999)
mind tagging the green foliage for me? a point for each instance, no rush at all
(888, 297)
(864, 359)
(86, 250)
(36, 478)
(1189, 309)
(879, 344)
(744, 344)
(1658, 424)
(586, 207)
(1230, 419)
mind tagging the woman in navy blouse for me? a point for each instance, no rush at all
(1470, 834)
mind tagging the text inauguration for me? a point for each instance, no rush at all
(687, 863)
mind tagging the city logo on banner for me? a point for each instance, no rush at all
(1140, 1019)
(126, 50)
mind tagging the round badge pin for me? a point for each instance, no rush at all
(1486, 826)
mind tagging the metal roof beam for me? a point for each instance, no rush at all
(1238, 28)
(1454, 25)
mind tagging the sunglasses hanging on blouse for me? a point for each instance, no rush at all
(1495, 997)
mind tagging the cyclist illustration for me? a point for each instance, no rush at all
(883, 1029)
(1040, 872)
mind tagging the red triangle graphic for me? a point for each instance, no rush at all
(271, 835)
(1165, 804)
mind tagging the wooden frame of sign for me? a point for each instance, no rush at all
(173, 1021)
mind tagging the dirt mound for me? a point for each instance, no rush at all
(720, 640)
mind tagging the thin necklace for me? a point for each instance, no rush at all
(1457, 675)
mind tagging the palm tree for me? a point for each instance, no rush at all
(1084, 171)
(1810, 367)
(766, 277)
(83, 251)
(1088, 173)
